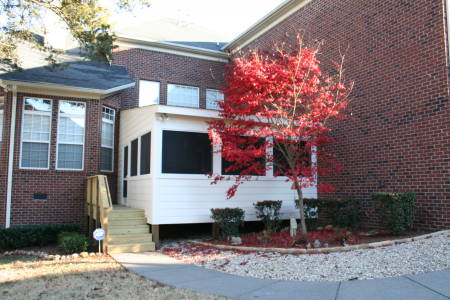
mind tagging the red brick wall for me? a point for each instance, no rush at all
(398, 138)
(167, 68)
(65, 189)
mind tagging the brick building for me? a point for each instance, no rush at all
(125, 120)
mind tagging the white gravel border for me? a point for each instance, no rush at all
(421, 254)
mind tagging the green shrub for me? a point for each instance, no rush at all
(32, 235)
(396, 210)
(73, 242)
(343, 213)
(228, 220)
(346, 213)
(269, 213)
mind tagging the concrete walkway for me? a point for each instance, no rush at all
(159, 267)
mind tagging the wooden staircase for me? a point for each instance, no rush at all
(128, 231)
(126, 228)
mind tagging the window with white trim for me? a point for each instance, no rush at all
(107, 149)
(182, 95)
(148, 92)
(36, 130)
(71, 130)
(2, 105)
(212, 99)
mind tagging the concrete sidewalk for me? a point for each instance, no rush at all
(159, 267)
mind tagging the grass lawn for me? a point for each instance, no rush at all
(25, 277)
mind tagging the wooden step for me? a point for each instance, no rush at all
(140, 247)
(127, 221)
(125, 213)
(130, 238)
(126, 229)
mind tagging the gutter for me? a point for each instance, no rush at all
(12, 134)
(55, 86)
(160, 46)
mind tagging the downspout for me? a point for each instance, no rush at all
(12, 134)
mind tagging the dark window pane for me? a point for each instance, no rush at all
(226, 164)
(125, 189)
(134, 154)
(70, 157)
(145, 153)
(106, 159)
(280, 163)
(186, 153)
(125, 161)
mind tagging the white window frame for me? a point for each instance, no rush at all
(141, 97)
(183, 86)
(113, 122)
(210, 105)
(30, 141)
(57, 136)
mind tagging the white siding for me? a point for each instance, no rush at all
(178, 198)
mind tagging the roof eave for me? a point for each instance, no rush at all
(60, 87)
(275, 16)
(173, 46)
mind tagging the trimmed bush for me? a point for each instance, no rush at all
(228, 220)
(73, 242)
(269, 213)
(33, 235)
(396, 210)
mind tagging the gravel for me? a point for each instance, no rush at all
(408, 258)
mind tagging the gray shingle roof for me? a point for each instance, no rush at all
(82, 74)
(174, 31)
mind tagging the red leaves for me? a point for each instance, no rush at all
(283, 95)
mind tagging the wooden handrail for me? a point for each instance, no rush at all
(98, 205)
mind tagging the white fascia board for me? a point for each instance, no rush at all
(264, 24)
(172, 48)
(177, 110)
(92, 93)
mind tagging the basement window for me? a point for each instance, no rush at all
(186, 153)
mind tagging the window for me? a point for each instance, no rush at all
(212, 98)
(148, 92)
(134, 156)
(186, 153)
(2, 104)
(280, 164)
(145, 153)
(125, 172)
(107, 149)
(36, 128)
(182, 95)
(71, 125)
(226, 164)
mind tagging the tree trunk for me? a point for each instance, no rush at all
(301, 208)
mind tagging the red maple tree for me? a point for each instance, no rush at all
(276, 115)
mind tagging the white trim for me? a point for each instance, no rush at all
(172, 48)
(273, 18)
(46, 85)
(12, 133)
(113, 122)
(84, 136)
(31, 141)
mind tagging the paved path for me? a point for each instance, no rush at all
(162, 268)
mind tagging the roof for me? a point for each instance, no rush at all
(80, 74)
(76, 72)
(175, 32)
